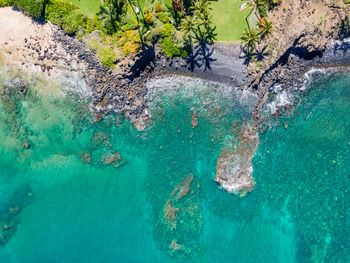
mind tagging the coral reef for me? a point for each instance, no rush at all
(180, 220)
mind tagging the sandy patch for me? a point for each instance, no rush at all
(17, 31)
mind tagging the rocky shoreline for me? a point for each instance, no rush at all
(290, 74)
(123, 90)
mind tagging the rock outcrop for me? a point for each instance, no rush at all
(302, 28)
(305, 35)
(234, 171)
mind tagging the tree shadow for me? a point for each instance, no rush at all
(142, 61)
(257, 55)
(261, 53)
(246, 56)
(342, 46)
(176, 15)
(201, 55)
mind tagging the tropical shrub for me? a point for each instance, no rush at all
(262, 10)
(65, 15)
(265, 28)
(163, 17)
(263, 5)
(167, 30)
(130, 47)
(159, 8)
(93, 24)
(169, 42)
(107, 56)
(149, 18)
(4, 3)
(32, 8)
(155, 34)
(74, 21)
(128, 27)
(129, 42)
(56, 10)
(169, 48)
(92, 43)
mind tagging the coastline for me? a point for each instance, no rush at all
(123, 90)
(291, 74)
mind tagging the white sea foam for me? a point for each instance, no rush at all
(57, 83)
(281, 100)
(201, 91)
(310, 75)
(71, 82)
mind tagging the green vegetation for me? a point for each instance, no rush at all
(4, 3)
(107, 56)
(88, 7)
(250, 38)
(33, 8)
(228, 19)
(122, 27)
(168, 43)
(254, 36)
(65, 14)
(111, 13)
(230, 22)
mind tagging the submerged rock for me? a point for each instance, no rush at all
(26, 144)
(10, 213)
(180, 220)
(194, 120)
(234, 171)
(262, 130)
(85, 157)
(112, 158)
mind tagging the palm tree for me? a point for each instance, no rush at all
(108, 17)
(253, 6)
(140, 20)
(110, 14)
(250, 39)
(188, 24)
(265, 28)
(201, 9)
(199, 23)
(176, 11)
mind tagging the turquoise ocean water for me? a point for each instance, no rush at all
(72, 190)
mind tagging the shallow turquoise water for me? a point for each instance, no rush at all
(60, 200)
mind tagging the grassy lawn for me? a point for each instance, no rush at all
(88, 7)
(229, 21)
